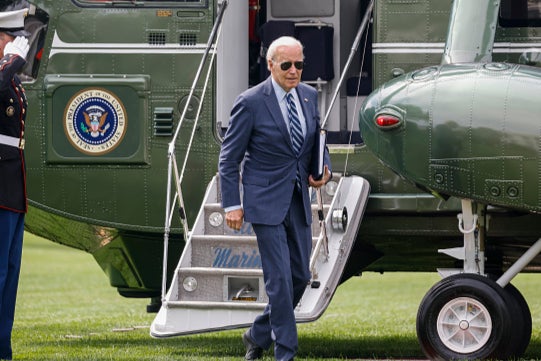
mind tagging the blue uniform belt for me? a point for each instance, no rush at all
(12, 141)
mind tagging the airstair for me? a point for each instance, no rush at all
(218, 283)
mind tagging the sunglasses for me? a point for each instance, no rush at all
(287, 64)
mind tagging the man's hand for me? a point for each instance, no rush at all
(19, 46)
(318, 183)
(234, 219)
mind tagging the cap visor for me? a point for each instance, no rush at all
(18, 33)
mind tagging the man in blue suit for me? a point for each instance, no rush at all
(269, 145)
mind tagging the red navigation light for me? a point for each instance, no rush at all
(387, 121)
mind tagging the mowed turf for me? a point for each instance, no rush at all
(66, 310)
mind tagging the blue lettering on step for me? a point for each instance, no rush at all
(225, 258)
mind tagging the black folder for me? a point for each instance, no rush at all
(318, 156)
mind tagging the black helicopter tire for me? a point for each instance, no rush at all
(522, 323)
(465, 317)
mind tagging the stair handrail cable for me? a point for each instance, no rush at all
(213, 39)
(360, 31)
(356, 104)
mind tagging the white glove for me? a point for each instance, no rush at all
(19, 46)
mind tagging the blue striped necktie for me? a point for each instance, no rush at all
(294, 124)
(295, 131)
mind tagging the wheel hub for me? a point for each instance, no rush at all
(464, 325)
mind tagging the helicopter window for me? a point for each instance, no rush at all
(36, 25)
(520, 13)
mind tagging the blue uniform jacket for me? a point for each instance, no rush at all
(13, 106)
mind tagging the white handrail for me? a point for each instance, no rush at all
(213, 38)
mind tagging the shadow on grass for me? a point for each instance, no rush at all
(222, 345)
(226, 344)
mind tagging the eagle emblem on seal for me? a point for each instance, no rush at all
(95, 117)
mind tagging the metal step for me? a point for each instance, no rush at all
(220, 285)
(237, 305)
(214, 220)
(218, 251)
(225, 252)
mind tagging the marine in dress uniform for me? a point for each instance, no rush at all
(13, 204)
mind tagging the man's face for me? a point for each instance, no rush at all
(4, 39)
(289, 78)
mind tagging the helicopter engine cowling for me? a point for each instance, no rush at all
(468, 130)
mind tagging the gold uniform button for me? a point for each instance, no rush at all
(10, 111)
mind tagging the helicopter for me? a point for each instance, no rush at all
(431, 128)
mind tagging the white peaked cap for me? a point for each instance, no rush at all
(12, 22)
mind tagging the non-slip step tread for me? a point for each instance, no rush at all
(216, 305)
(250, 272)
(218, 207)
(235, 239)
(224, 238)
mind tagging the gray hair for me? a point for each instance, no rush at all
(282, 41)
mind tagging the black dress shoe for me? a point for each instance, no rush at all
(253, 352)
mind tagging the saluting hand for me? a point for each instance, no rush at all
(19, 46)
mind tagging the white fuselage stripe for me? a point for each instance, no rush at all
(61, 47)
(423, 48)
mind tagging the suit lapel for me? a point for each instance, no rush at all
(307, 111)
(274, 109)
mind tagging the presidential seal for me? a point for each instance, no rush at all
(95, 121)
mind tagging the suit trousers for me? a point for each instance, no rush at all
(285, 257)
(11, 245)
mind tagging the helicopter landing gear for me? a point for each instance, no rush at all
(472, 315)
(468, 316)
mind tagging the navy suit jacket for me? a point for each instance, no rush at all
(257, 143)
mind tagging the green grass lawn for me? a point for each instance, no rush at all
(66, 310)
